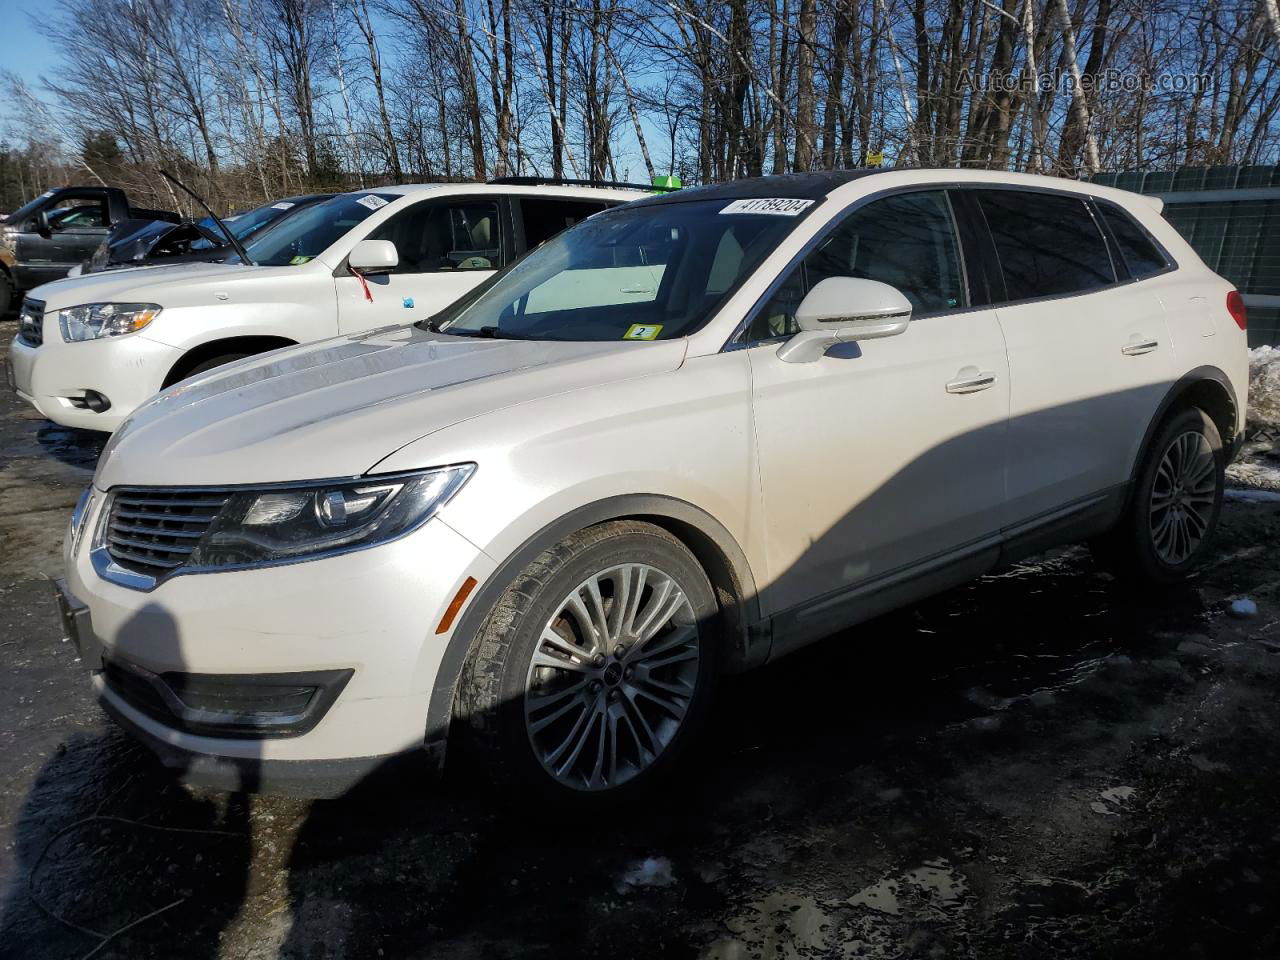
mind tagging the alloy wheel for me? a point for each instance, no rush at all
(1182, 497)
(612, 677)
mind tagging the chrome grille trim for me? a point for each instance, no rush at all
(151, 533)
(31, 322)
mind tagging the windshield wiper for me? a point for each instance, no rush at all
(433, 325)
(231, 237)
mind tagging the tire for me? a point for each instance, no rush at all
(545, 725)
(1172, 514)
(206, 365)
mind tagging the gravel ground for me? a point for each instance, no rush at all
(1043, 763)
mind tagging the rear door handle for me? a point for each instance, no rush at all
(1136, 348)
(971, 381)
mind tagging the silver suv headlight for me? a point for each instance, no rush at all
(90, 321)
(280, 524)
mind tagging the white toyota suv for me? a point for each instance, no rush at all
(686, 436)
(89, 349)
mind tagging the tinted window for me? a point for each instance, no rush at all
(907, 241)
(435, 236)
(1048, 244)
(1140, 252)
(543, 218)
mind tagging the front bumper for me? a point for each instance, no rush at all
(369, 616)
(55, 376)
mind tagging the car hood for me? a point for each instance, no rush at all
(168, 285)
(337, 407)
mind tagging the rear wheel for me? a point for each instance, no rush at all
(1173, 511)
(596, 666)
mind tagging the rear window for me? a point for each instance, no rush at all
(1141, 254)
(1048, 244)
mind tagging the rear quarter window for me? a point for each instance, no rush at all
(1142, 255)
(1048, 244)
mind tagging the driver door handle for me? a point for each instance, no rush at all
(1136, 347)
(970, 380)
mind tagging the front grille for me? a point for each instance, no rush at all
(31, 322)
(153, 532)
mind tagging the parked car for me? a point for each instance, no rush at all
(43, 239)
(689, 435)
(90, 349)
(141, 243)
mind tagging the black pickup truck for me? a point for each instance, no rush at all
(43, 239)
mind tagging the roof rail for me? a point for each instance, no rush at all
(562, 182)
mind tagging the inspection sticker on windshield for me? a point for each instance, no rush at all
(777, 206)
(282, 205)
(643, 331)
(296, 261)
(372, 202)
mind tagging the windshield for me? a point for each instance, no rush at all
(28, 207)
(244, 224)
(633, 273)
(309, 232)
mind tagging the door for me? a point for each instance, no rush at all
(885, 453)
(1089, 357)
(446, 248)
(77, 226)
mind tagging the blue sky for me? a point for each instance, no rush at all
(28, 53)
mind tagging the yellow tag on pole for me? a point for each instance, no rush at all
(875, 159)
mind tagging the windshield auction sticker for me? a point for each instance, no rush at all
(372, 202)
(283, 205)
(777, 206)
(643, 331)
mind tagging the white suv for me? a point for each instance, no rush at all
(89, 349)
(688, 435)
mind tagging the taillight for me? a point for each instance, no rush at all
(1235, 307)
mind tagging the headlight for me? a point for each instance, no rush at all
(282, 524)
(89, 321)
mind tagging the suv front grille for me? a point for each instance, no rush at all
(31, 322)
(153, 532)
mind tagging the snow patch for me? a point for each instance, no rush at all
(932, 888)
(1253, 496)
(649, 872)
(1243, 608)
(1264, 388)
(1119, 795)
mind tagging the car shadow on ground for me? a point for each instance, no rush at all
(75, 448)
(848, 760)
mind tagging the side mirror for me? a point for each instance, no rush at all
(843, 309)
(41, 224)
(373, 256)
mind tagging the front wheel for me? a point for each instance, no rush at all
(596, 666)
(1173, 510)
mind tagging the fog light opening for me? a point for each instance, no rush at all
(92, 400)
